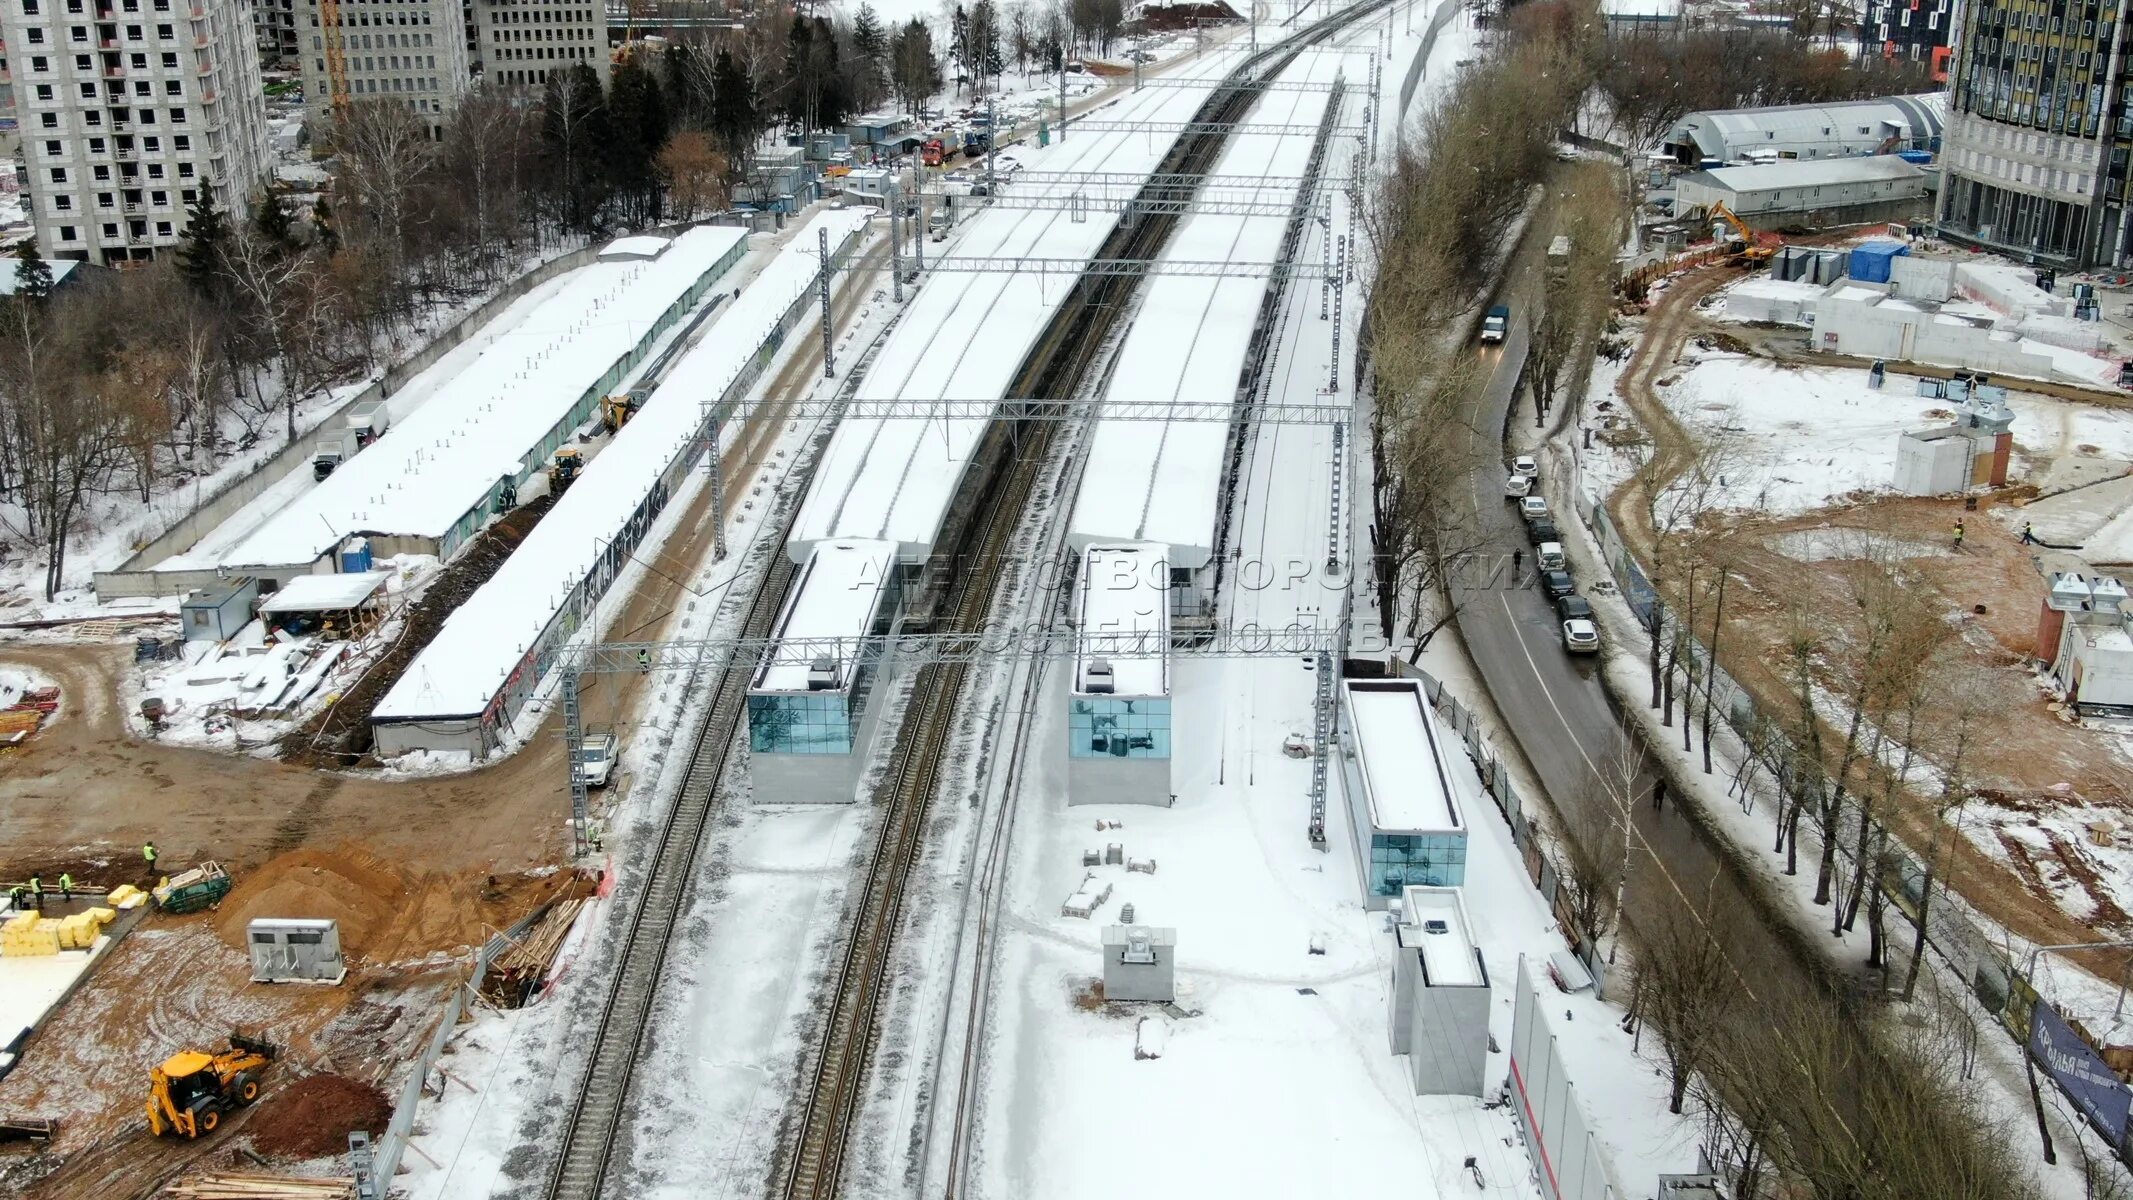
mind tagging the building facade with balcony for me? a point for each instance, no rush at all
(2035, 155)
(521, 41)
(411, 52)
(275, 21)
(128, 111)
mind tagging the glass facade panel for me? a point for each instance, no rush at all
(1399, 859)
(813, 723)
(1111, 727)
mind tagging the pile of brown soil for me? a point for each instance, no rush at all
(312, 1117)
(387, 913)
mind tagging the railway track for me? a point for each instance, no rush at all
(1059, 365)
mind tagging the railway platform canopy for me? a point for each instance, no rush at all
(492, 652)
(1118, 701)
(809, 720)
(436, 477)
(965, 335)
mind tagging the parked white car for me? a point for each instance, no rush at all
(1581, 637)
(1515, 487)
(1525, 465)
(1533, 507)
(598, 756)
(1548, 556)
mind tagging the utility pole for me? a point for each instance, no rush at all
(1062, 95)
(896, 240)
(822, 281)
(1136, 70)
(992, 139)
(1340, 265)
(717, 462)
(918, 224)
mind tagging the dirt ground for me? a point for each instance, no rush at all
(2043, 762)
(418, 871)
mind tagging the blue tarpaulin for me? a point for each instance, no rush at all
(1870, 262)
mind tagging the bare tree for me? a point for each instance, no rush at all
(694, 175)
(1685, 986)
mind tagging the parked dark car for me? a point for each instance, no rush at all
(1542, 529)
(1573, 608)
(1557, 584)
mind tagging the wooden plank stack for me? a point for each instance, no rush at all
(258, 1187)
(516, 974)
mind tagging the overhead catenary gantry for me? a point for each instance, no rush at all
(1076, 267)
(1216, 128)
(878, 409)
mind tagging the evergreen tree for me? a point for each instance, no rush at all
(870, 50)
(638, 127)
(798, 88)
(913, 69)
(985, 32)
(200, 255)
(33, 275)
(733, 108)
(959, 44)
(273, 222)
(574, 131)
(682, 79)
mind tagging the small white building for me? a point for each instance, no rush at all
(1401, 793)
(1140, 963)
(1440, 995)
(810, 720)
(296, 950)
(2084, 628)
(1118, 702)
(1933, 462)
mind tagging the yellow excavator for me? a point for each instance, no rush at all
(616, 410)
(1755, 248)
(563, 471)
(190, 1092)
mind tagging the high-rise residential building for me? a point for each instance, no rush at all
(2035, 156)
(523, 40)
(129, 109)
(276, 23)
(411, 52)
(1913, 30)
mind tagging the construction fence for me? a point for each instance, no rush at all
(1565, 1153)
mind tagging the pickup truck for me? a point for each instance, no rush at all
(1496, 324)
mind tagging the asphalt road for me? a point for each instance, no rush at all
(1554, 702)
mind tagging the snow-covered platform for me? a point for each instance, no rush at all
(436, 478)
(491, 654)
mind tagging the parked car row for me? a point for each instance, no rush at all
(1580, 634)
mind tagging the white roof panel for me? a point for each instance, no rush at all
(834, 597)
(1125, 591)
(1437, 925)
(1824, 172)
(442, 459)
(1398, 747)
(321, 593)
(484, 640)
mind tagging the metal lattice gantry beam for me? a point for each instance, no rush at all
(1218, 128)
(1126, 266)
(1136, 205)
(1164, 181)
(1000, 644)
(1235, 85)
(880, 409)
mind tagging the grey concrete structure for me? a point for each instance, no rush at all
(129, 111)
(411, 52)
(1140, 963)
(518, 42)
(1440, 995)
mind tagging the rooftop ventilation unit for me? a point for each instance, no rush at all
(822, 674)
(1097, 679)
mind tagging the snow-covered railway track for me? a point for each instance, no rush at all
(1060, 364)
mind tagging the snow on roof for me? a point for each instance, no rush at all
(963, 336)
(442, 459)
(482, 643)
(1159, 481)
(1641, 9)
(1803, 173)
(1436, 924)
(1125, 591)
(325, 593)
(1731, 132)
(1397, 745)
(642, 246)
(834, 597)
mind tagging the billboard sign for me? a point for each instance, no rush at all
(2079, 1072)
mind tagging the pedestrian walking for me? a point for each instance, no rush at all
(2029, 535)
(1518, 561)
(1958, 535)
(37, 889)
(66, 885)
(148, 856)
